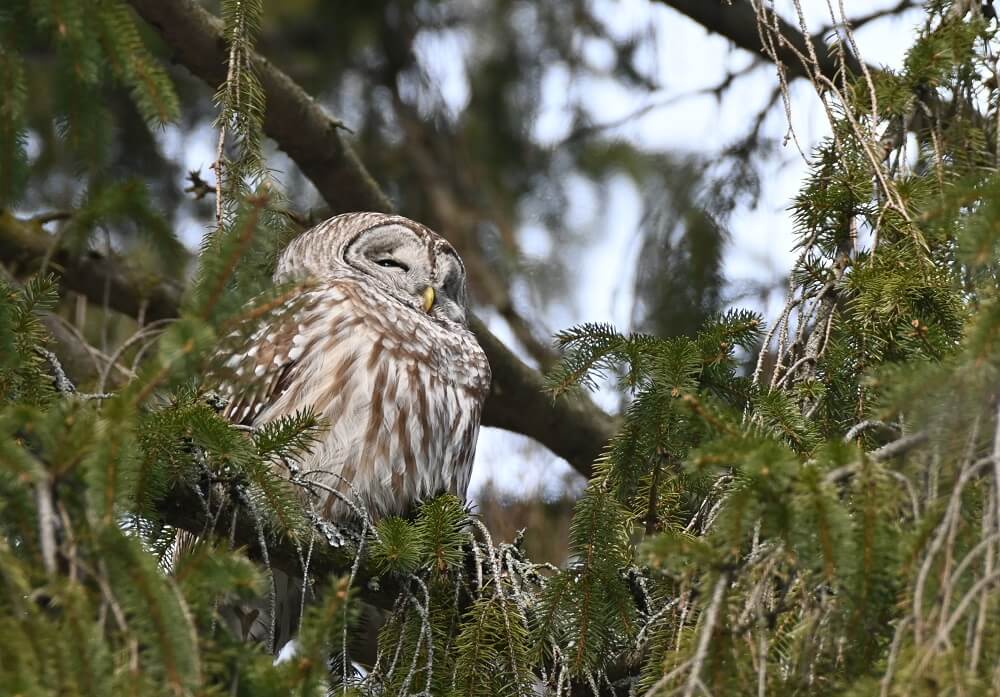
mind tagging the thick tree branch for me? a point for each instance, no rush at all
(738, 23)
(24, 243)
(575, 430)
(312, 138)
(182, 508)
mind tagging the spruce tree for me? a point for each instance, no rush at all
(806, 507)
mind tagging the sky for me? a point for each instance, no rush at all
(688, 61)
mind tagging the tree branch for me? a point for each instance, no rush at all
(575, 430)
(292, 118)
(182, 508)
(738, 23)
(24, 243)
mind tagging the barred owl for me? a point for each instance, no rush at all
(379, 347)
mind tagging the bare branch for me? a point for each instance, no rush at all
(900, 446)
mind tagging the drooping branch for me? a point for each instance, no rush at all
(575, 430)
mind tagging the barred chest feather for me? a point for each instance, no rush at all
(401, 393)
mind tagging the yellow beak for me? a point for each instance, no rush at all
(428, 296)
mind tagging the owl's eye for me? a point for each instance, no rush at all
(451, 285)
(392, 264)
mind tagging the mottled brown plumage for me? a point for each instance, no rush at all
(400, 386)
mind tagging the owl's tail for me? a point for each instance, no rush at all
(252, 622)
(273, 620)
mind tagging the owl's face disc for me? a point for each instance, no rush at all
(407, 260)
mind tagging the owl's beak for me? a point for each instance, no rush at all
(428, 297)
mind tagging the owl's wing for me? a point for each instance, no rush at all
(254, 369)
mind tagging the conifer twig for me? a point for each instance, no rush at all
(736, 21)
(421, 637)
(62, 383)
(762, 649)
(941, 638)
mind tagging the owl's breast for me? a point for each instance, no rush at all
(401, 394)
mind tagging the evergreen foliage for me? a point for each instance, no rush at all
(807, 508)
(241, 105)
(94, 43)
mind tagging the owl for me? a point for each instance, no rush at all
(378, 346)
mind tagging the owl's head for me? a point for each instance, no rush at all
(409, 261)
